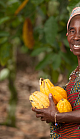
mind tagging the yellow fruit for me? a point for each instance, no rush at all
(28, 37)
(64, 106)
(61, 91)
(39, 100)
(47, 87)
(58, 93)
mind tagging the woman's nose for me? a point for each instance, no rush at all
(77, 35)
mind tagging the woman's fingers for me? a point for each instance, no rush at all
(36, 110)
(47, 121)
(42, 119)
(39, 115)
(51, 100)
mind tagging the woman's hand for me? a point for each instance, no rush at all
(46, 114)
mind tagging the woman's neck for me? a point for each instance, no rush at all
(78, 62)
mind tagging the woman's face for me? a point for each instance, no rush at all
(73, 36)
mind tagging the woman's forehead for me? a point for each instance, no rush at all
(75, 19)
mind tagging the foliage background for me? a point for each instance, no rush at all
(46, 41)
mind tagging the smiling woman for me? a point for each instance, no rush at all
(68, 126)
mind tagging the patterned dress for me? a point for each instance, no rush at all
(69, 130)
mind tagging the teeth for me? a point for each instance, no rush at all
(76, 45)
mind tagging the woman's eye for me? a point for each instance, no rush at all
(71, 31)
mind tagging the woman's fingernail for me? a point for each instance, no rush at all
(50, 95)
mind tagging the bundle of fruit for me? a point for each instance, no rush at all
(39, 99)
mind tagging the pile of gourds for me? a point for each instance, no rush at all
(39, 99)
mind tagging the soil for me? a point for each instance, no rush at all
(27, 125)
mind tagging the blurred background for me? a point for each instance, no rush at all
(33, 45)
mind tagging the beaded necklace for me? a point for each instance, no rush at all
(75, 72)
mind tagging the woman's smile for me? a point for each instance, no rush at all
(76, 46)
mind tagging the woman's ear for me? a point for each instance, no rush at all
(67, 34)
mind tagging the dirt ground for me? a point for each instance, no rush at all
(28, 126)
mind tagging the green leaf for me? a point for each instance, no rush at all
(5, 53)
(12, 6)
(56, 61)
(65, 57)
(39, 10)
(38, 51)
(66, 43)
(53, 8)
(3, 40)
(4, 74)
(4, 19)
(37, 2)
(4, 34)
(24, 49)
(50, 29)
(54, 76)
(2, 3)
(10, 2)
(47, 60)
(73, 4)
(29, 9)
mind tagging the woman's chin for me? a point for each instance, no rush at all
(76, 53)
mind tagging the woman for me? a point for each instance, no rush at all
(69, 122)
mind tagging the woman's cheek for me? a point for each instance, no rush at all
(68, 38)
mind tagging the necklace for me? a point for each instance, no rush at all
(76, 73)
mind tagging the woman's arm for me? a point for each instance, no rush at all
(69, 117)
